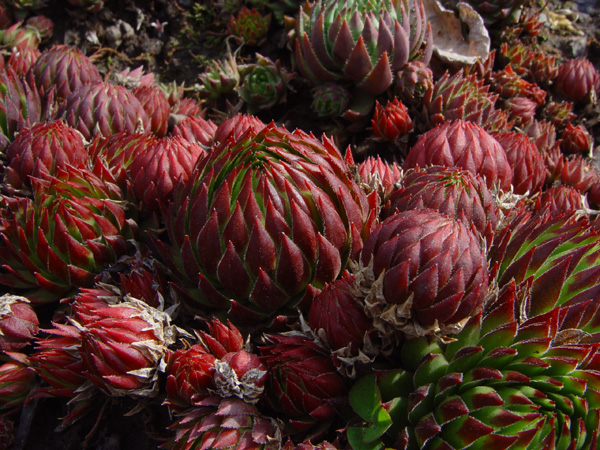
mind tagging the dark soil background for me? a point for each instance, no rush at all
(175, 40)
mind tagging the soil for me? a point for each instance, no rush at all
(175, 40)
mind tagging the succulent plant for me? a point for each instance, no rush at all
(105, 109)
(337, 316)
(65, 69)
(575, 139)
(555, 257)
(114, 154)
(189, 377)
(16, 381)
(123, 345)
(380, 176)
(505, 382)
(559, 200)
(195, 130)
(42, 150)
(529, 171)
(421, 272)
(57, 361)
(72, 228)
(20, 36)
(520, 109)
(560, 114)
(21, 60)
(230, 424)
(43, 24)
(18, 323)
(264, 83)
(158, 167)
(413, 81)
(302, 382)
(276, 215)
(578, 80)
(220, 77)
(157, 107)
(20, 105)
(460, 97)
(466, 145)
(452, 191)
(249, 26)
(392, 120)
(330, 100)
(362, 42)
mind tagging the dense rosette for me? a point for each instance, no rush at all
(423, 272)
(556, 257)
(362, 41)
(505, 383)
(265, 219)
(453, 191)
(466, 145)
(72, 228)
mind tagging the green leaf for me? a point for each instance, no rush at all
(365, 398)
(356, 439)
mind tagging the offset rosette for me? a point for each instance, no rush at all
(361, 41)
(505, 383)
(62, 238)
(422, 272)
(263, 221)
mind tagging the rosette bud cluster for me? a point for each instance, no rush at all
(64, 69)
(578, 80)
(466, 145)
(20, 105)
(230, 424)
(105, 109)
(527, 163)
(575, 139)
(361, 41)
(380, 176)
(249, 26)
(158, 167)
(43, 149)
(452, 191)
(264, 83)
(421, 272)
(72, 228)
(123, 346)
(196, 130)
(413, 81)
(16, 381)
(561, 199)
(392, 120)
(330, 100)
(302, 382)
(221, 77)
(265, 219)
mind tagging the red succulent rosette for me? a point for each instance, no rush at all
(189, 376)
(64, 69)
(392, 120)
(529, 170)
(466, 145)
(264, 220)
(302, 382)
(450, 190)
(42, 150)
(422, 272)
(123, 347)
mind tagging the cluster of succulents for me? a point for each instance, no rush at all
(436, 287)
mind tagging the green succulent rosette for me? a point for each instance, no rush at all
(504, 383)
